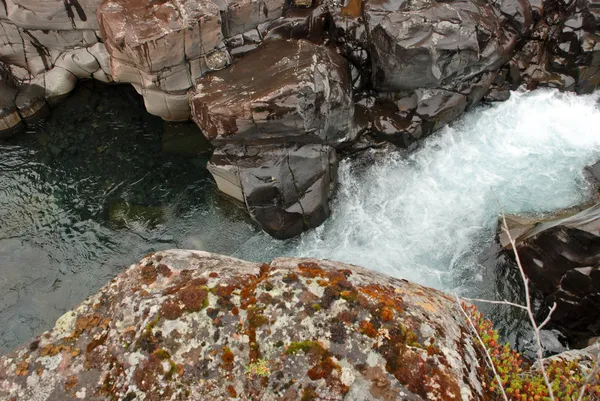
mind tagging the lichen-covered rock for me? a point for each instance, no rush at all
(286, 90)
(186, 325)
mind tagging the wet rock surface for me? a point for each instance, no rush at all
(561, 51)
(561, 258)
(192, 325)
(286, 190)
(285, 91)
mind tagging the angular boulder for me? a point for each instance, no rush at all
(162, 46)
(561, 258)
(286, 189)
(423, 44)
(190, 325)
(284, 91)
(562, 50)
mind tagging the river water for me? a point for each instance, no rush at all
(102, 183)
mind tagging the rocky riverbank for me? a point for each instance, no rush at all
(282, 74)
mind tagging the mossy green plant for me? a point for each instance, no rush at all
(521, 380)
(258, 368)
(304, 346)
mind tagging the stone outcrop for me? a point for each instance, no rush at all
(287, 73)
(422, 44)
(284, 91)
(561, 258)
(561, 51)
(162, 47)
(286, 190)
(279, 111)
(45, 46)
(184, 325)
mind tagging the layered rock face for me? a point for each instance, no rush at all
(162, 47)
(45, 46)
(561, 258)
(184, 325)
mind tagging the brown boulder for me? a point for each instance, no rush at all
(286, 189)
(284, 91)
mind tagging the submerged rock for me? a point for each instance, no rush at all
(561, 258)
(20, 106)
(187, 325)
(286, 189)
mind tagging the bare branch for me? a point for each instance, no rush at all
(489, 301)
(545, 322)
(536, 328)
(487, 354)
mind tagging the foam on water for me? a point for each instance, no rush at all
(427, 216)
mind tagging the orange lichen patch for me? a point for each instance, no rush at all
(248, 302)
(323, 369)
(198, 281)
(235, 311)
(227, 357)
(290, 278)
(51, 350)
(367, 328)
(310, 270)
(87, 322)
(386, 296)
(223, 290)
(231, 391)
(148, 274)
(170, 310)
(213, 275)
(193, 298)
(387, 314)
(164, 270)
(349, 295)
(76, 352)
(96, 342)
(22, 368)
(428, 306)
(145, 376)
(71, 383)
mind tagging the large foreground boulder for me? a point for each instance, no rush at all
(286, 189)
(561, 258)
(186, 325)
(286, 91)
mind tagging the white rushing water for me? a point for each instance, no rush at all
(427, 216)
